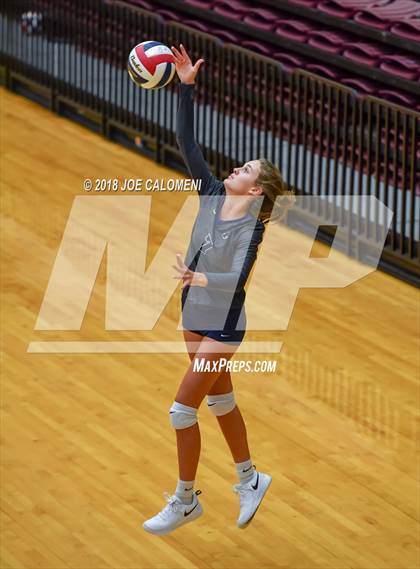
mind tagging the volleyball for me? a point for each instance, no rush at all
(151, 65)
(31, 22)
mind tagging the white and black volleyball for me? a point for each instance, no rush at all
(151, 65)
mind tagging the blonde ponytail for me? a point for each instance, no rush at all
(278, 198)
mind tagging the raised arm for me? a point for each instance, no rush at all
(190, 149)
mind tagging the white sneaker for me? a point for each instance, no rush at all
(250, 496)
(174, 514)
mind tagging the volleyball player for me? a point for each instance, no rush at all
(224, 244)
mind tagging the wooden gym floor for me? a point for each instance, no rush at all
(87, 445)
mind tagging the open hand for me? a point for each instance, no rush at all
(183, 65)
(188, 276)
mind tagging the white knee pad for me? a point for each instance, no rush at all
(182, 416)
(221, 404)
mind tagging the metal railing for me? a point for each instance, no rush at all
(327, 141)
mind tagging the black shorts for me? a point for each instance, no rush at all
(233, 331)
(234, 338)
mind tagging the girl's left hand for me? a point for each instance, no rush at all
(188, 276)
(183, 65)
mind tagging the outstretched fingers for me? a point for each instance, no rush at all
(181, 264)
(197, 65)
(184, 53)
(178, 57)
(181, 267)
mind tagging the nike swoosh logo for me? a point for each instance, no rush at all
(187, 489)
(188, 513)
(210, 404)
(256, 483)
(247, 469)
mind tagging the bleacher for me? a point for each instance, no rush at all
(378, 54)
(317, 87)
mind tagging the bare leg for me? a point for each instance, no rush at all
(194, 387)
(232, 424)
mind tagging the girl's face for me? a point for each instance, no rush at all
(243, 179)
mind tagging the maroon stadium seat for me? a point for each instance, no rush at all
(143, 4)
(203, 4)
(258, 46)
(409, 29)
(289, 61)
(296, 30)
(365, 86)
(261, 18)
(343, 8)
(197, 24)
(402, 66)
(227, 35)
(397, 97)
(168, 14)
(364, 52)
(382, 14)
(307, 3)
(233, 9)
(329, 40)
(324, 70)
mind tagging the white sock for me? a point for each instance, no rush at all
(245, 471)
(185, 491)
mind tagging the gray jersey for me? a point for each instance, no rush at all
(224, 250)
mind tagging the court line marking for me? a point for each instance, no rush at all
(141, 347)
